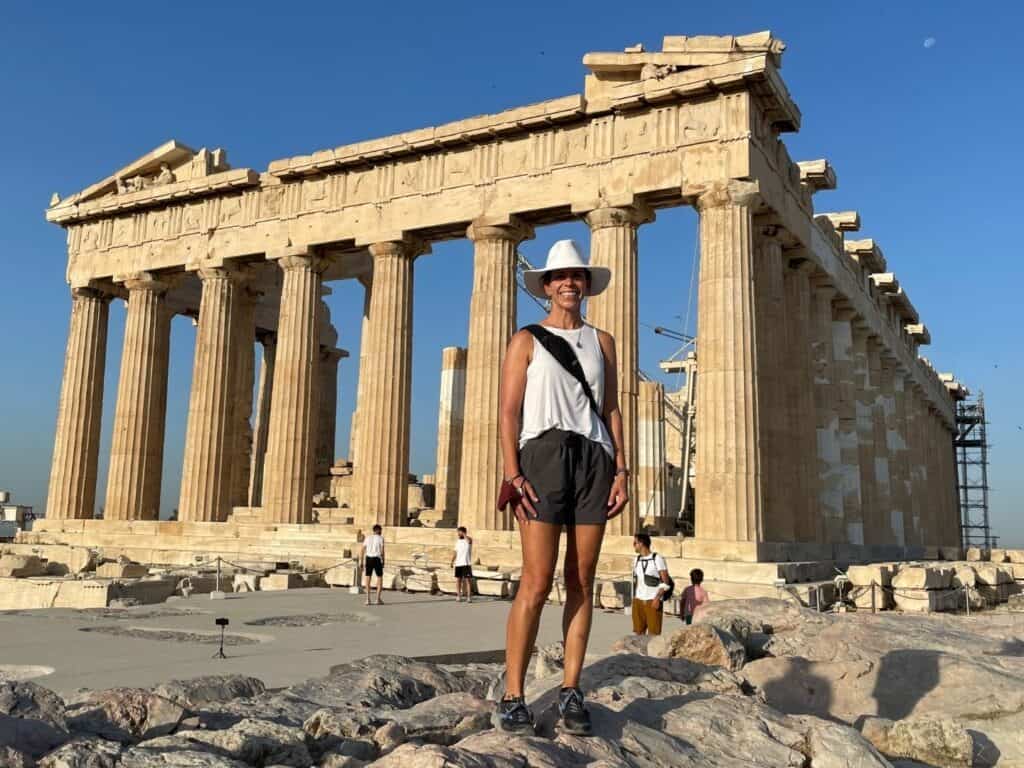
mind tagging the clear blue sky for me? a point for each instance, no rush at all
(925, 140)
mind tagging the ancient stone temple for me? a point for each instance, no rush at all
(821, 432)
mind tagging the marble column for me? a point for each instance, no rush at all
(72, 492)
(268, 343)
(382, 473)
(651, 469)
(613, 244)
(865, 400)
(913, 429)
(137, 446)
(801, 447)
(291, 436)
(364, 340)
(883, 524)
(729, 495)
(492, 321)
(327, 423)
(210, 438)
(919, 453)
(450, 423)
(830, 465)
(244, 350)
(770, 320)
(846, 406)
(892, 385)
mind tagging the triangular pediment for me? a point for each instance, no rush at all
(171, 162)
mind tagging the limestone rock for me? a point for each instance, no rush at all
(631, 644)
(199, 691)
(865, 575)
(126, 715)
(282, 581)
(340, 761)
(548, 660)
(344, 575)
(977, 554)
(121, 570)
(923, 577)
(925, 600)
(702, 643)
(1015, 556)
(613, 595)
(253, 742)
(12, 758)
(83, 753)
(246, 582)
(993, 574)
(139, 757)
(32, 718)
(389, 736)
(419, 580)
(21, 566)
(835, 746)
(1016, 603)
(491, 587)
(939, 742)
(443, 720)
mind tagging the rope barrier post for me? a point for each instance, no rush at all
(217, 594)
(873, 596)
(967, 599)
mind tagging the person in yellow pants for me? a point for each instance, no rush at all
(650, 583)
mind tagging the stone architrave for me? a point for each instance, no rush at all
(492, 321)
(613, 244)
(72, 491)
(268, 343)
(830, 466)
(771, 344)
(728, 482)
(801, 446)
(206, 478)
(651, 470)
(381, 476)
(364, 340)
(450, 420)
(327, 422)
(864, 395)
(291, 436)
(137, 445)
(846, 406)
(244, 349)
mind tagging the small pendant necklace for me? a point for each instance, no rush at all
(579, 337)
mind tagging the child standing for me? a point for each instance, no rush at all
(694, 596)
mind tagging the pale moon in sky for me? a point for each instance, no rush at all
(929, 42)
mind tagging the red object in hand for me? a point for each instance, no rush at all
(508, 494)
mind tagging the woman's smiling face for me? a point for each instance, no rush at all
(567, 287)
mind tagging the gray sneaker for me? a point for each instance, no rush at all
(574, 716)
(512, 716)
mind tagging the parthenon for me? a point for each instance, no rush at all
(822, 434)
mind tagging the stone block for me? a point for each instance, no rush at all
(1016, 603)
(344, 575)
(1015, 556)
(923, 577)
(925, 600)
(614, 595)
(419, 580)
(964, 576)
(977, 554)
(280, 581)
(145, 591)
(446, 583)
(492, 587)
(393, 579)
(246, 582)
(993, 574)
(999, 555)
(861, 595)
(865, 575)
(1017, 569)
(119, 570)
(21, 566)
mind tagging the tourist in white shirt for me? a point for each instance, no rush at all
(647, 597)
(373, 561)
(462, 560)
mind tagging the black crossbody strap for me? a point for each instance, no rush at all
(561, 350)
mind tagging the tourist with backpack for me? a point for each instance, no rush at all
(652, 586)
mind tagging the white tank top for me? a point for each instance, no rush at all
(555, 400)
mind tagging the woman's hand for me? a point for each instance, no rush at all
(525, 511)
(618, 496)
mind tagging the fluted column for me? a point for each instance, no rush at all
(882, 507)
(770, 321)
(291, 436)
(72, 493)
(651, 470)
(450, 424)
(268, 342)
(896, 447)
(613, 244)
(381, 475)
(244, 350)
(846, 406)
(890, 516)
(729, 499)
(830, 465)
(865, 400)
(364, 340)
(327, 423)
(206, 479)
(801, 447)
(137, 446)
(492, 321)
(915, 462)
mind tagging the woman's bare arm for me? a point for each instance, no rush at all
(619, 494)
(513, 389)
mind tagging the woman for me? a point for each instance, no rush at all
(566, 460)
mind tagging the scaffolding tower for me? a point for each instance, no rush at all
(971, 448)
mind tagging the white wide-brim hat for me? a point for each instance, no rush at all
(565, 254)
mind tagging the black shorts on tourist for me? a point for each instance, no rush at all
(463, 571)
(571, 475)
(375, 565)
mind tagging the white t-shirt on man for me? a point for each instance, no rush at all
(463, 552)
(373, 545)
(654, 564)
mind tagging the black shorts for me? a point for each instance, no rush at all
(571, 474)
(375, 565)
(463, 571)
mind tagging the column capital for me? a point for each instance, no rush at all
(332, 354)
(146, 281)
(407, 247)
(88, 293)
(514, 230)
(619, 216)
(797, 261)
(822, 284)
(719, 194)
(225, 272)
(305, 261)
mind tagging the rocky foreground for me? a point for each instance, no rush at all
(755, 683)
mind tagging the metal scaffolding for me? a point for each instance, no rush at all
(970, 446)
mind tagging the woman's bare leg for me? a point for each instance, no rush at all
(540, 554)
(581, 553)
